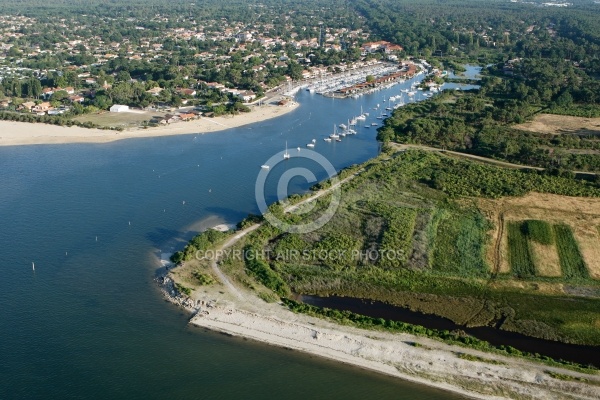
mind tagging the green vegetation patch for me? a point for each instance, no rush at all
(539, 231)
(460, 244)
(565, 377)
(203, 241)
(519, 253)
(263, 272)
(397, 238)
(571, 261)
(202, 278)
(470, 357)
(182, 289)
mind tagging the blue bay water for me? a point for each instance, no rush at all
(89, 321)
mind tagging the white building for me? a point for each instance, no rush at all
(119, 108)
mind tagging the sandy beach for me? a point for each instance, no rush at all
(432, 363)
(22, 133)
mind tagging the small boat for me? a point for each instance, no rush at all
(338, 140)
(327, 139)
(298, 148)
(310, 145)
(343, 126)
(361, 116)
(334, 135)
(314, 140)
(264, 166)
(286, 155)
(367, 126)
(343, 134)
(374, 124)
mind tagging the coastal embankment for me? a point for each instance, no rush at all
(21, 133)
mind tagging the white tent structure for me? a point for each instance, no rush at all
(119, 108)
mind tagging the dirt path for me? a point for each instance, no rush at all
(321, 193)
(487, 160)
(215, 266)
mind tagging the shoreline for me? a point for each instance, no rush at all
(235, 311)
(25, 133)
(430, 363)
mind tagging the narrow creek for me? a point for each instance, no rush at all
(586, 355)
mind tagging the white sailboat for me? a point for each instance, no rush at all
(361, 116)
(334, 135)
(389, 107)
(286, 155)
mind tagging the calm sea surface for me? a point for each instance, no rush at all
(89, 321)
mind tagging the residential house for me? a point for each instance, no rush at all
(155, 91)
(28, 105)
(47, 92)
(187, 116)
(168, 119)
(187, 92)
(247, 96)
(76, 98)
(42, 107)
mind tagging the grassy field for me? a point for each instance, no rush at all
(123, 119)
(459, 244)
(562, 124)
